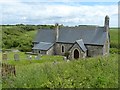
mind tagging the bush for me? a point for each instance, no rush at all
(114, 45)
(67, 54)
(114, 51)
(25, 48)
(99, 72)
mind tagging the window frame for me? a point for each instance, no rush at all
(62, 48)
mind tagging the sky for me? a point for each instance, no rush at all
(66, 12)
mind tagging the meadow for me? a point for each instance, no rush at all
(54, 72)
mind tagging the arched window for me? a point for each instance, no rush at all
(63, 49)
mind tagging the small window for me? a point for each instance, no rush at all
(63, 50)
(39, 51)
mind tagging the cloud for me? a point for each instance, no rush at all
(62, 0)
(50, 13)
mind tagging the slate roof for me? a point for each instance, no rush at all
(81, 44)
(43, 46)
(45, 35)
(89, 34)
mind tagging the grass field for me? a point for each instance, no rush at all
(98, 72)
(24, 60)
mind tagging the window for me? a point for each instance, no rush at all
(39, 51)
(63, 50)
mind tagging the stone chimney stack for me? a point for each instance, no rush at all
(56, 31)
(106, 24)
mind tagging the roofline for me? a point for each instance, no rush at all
(74, 42)
(65, 42)
(84, 43)
(50, 47)
(40, 49)
(47, 49)
(70, 47)
(94, 44)
(80, 47)
(35, 42)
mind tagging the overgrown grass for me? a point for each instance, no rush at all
(96, 72)
(99, 72)
(23, 60)
(114, 38)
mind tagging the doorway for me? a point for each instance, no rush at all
(76, 54)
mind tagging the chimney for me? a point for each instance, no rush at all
(106, 24)
(56, 31)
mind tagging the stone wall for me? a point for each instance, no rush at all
(50, 51)
(35, 50)
(94, 50)
(82, 54)
(39, 51)
(59, 48)
(43, 52)
(106, 48)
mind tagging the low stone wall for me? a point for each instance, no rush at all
(94, 50)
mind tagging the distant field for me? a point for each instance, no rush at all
(114, 37)
(97, 72)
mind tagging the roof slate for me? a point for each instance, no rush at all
(81, 44)
(89, 34)
(43, 46)
(94, 35)
(45, 35)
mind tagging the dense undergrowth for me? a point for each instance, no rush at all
(99, 72)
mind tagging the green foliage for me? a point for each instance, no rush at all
(114, 51)
(114, 38)
(99, 72)
(27, 27)
(18, 37)
(67, 54)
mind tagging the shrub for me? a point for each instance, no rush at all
(114, 51)
(67, 54)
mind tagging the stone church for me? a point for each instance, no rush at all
(75, 42)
